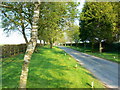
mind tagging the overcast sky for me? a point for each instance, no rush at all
(16, 37)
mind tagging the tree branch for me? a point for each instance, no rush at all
(5, 6)
(8, 17)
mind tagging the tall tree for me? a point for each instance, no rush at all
(116, 21)
(31, 47)
(97, 22)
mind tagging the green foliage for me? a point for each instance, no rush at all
(97, 22)
(53, 17)
(72, 33)
(18, 16)
(49, 68)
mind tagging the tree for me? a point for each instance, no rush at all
(116, 21)
(61, 39)
(31, 47)
(73, 33)
(53, 17)
(97, 23)
(76, 33)
(18, 16)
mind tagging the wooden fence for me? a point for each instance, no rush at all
(9, 50)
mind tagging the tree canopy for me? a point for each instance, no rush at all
(98, 22)
(53, 17)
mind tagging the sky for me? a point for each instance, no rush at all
(16, 37)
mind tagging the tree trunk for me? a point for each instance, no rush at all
(44, 42)
(30, 48)
(100, 47)
(84, 44)
(92, 46)
(76, 44)
(40, 43)
(71, 44)
(65, 44)
(23, 32)
(51, 45)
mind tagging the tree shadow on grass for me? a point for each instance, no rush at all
(48, 81)
(46, 73)
(11, 72)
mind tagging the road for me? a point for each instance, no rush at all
(104, 70)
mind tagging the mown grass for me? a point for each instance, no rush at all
(112, 56)
(49, 68)
(11, 70)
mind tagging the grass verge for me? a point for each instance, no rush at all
(112, 56)
(49, 68)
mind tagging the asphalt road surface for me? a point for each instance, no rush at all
(104, 70)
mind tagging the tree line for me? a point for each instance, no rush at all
(52, 19)
(98, 23)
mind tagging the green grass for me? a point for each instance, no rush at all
(11, 70)
(112, 56)
(49, 68)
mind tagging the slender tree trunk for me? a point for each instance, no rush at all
(51, 44)
(47, 42)
(92, 46)
(40, 43)
(76, 44)
(23, 32)
(30, 48)
(65, 44)
(84, 44)
(100, 47)
(71, 44)
(44, 42)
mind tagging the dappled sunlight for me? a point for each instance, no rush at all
(54, 69)
(11, 71)
(49, 68)
(89, 27)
